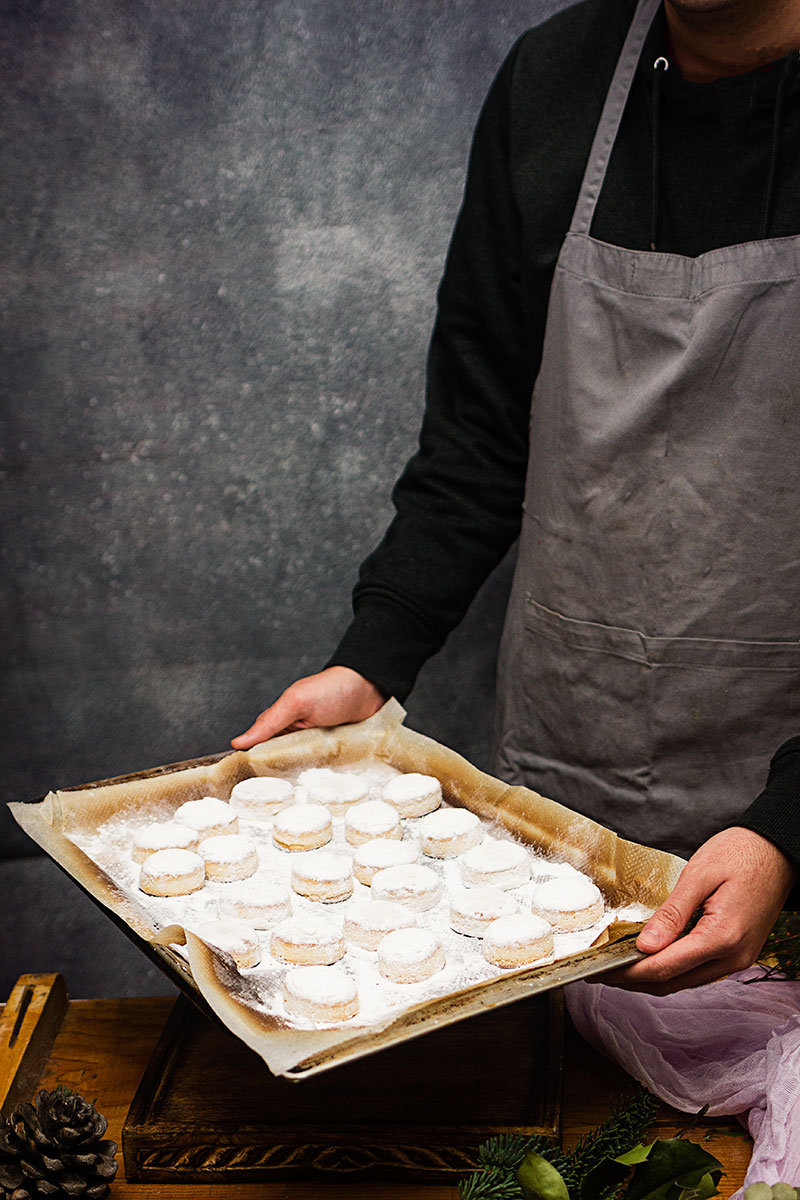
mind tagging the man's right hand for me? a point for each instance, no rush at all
(335, 696)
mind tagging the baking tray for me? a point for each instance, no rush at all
(625, 871)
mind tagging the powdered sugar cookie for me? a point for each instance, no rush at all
(261, 797)
(323, 876)
(569, 903)
(336, 790)
(172, 873)
(472, 910)
(162, 835)
(497, 864)
(307, 939)
(416, 886)
(410, 955)
(449, 832)
(324, 994)
(260, 904)
(368, 922)
(381, 853)
(413, 795)
(237, 938)
(372, 819)
(208, 816)
(228, 857)
(302, 827)
(518, 940)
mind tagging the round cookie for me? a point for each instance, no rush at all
(308, 940)
(418, 887)
(335, 789)
(472, 910)
(208, 816)
(376, 855)
(302, 827)
(449, 832)
(239, 939)
(162, 835)
(261, 904)
(413, 795)
(517, 941)
(367, 923)
(172, 873)
(410, 955)
(569, 903)
(497, 864)
(370, 820)
(228, 857)
(323, 876)
(324, 994)
(261, 797)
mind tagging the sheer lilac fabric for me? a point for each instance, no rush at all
(732, 1045)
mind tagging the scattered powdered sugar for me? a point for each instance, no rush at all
(380, 999)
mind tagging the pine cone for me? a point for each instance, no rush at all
(54, 1147)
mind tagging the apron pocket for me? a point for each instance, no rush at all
(689, 724)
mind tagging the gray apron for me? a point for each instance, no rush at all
(650, 661)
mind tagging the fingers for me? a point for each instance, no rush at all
(669, 921)
(278, 717)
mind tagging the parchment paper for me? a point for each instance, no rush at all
(627, 873)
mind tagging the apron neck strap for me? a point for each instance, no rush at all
(609, 124)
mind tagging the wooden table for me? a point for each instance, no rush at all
(103, 1046)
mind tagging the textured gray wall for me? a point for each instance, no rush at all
(223, 229)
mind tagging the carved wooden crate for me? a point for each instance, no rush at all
(208, 1110)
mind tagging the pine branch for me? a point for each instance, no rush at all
(491, 1183)
(615, 1136)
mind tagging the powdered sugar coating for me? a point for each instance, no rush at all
(496, 864)
(260, 903)
(449, 832)
(228, 857)
(320, 994)
(368, 922)
(569, 903)
(472, 910)
(308, 939)
(162, 835)
(321, 875)
(261, 797)
(334, 789)
(410, 955)
(380, 853)
(370, 820)
(413, 795)
(172, 873)
(237, 938)
(208, 816)
(418, 887)
(302, 827)
(517, 940)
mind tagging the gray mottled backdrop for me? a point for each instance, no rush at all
(223, 225)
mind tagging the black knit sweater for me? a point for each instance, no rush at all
(459, 499)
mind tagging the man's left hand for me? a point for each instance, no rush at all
(740, 881)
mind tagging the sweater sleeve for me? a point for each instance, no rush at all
(775, 813)
(458, 502)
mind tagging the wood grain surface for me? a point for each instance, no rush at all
(103, 1047)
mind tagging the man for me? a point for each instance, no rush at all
(627, 248)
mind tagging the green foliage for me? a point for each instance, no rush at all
(502, 1157)
(780, 956)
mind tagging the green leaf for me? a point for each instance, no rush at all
(635, 1156)
(671, 1166)
(706, 1188)
(540, 1180)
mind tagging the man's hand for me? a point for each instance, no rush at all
(335, 696)
(740, 881)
